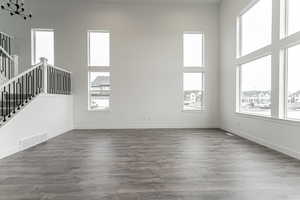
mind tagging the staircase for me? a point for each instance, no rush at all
(6, 59)
(9, 104)
(16, 91)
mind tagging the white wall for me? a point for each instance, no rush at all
(278, 134)
(46, 114)
(146, 57)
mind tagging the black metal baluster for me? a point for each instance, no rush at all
(26, 88)
(31, 85)
(9, 98)
(40, 79)
(14, 97)
(37, 81)
(63, 82)
(5, 98)
(22, 89)
(2, 105)
(19, 95)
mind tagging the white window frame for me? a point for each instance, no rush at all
(98, 69)
(285, 67)
(33, 43)
(197, 69)
(252, 56)
(239, 33)
(239, 86)
(281, 41)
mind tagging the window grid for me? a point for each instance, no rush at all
(263, 108)
(278, 49)
(291, 98)
(243, 48)
(192, 102)
(103, 70)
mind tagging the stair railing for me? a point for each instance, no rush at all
(41, 78)
(5, 42)
(6, 59)
(6, 64)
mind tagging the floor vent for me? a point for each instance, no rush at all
(32, 141)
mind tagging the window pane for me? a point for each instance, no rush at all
(193, 91)
(99, 90)
(293, 60)
(99, 49)
(293, 16)
(256, 27)
(44, 46)
(193, 47)
(256, 87)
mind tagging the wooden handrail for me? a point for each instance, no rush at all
(11, 37)
(40, 78)
(20, 75)
(59, 68)
(43, 61)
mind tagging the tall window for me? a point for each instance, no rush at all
(255, 87)
(289, 60)
(99, 70)
(255, 27)
(42, 45)
(193, 75)
(279, 60)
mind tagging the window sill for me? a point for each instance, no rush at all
(193, 111)
(99, 110)
(253, 115)
(292, 122)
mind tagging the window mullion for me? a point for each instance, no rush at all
(194, 69)
(99, 69)
(275, 73)
(285, 83)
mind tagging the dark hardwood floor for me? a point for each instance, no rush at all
(149, 165)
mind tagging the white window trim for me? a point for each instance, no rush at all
(195, 69)
(281, 41)
(285, 80)
(98, 69)
(89, 97)
(239, 87)
(239, 25)
(33, 43)
(203, 107)
(247, 58)
(88, 48)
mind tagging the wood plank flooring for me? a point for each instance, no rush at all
(149, 165)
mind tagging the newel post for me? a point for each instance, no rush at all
(44, 62)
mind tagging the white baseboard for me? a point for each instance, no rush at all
(32, 141)
(262, 142)
(9, 152)
(29, 142)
